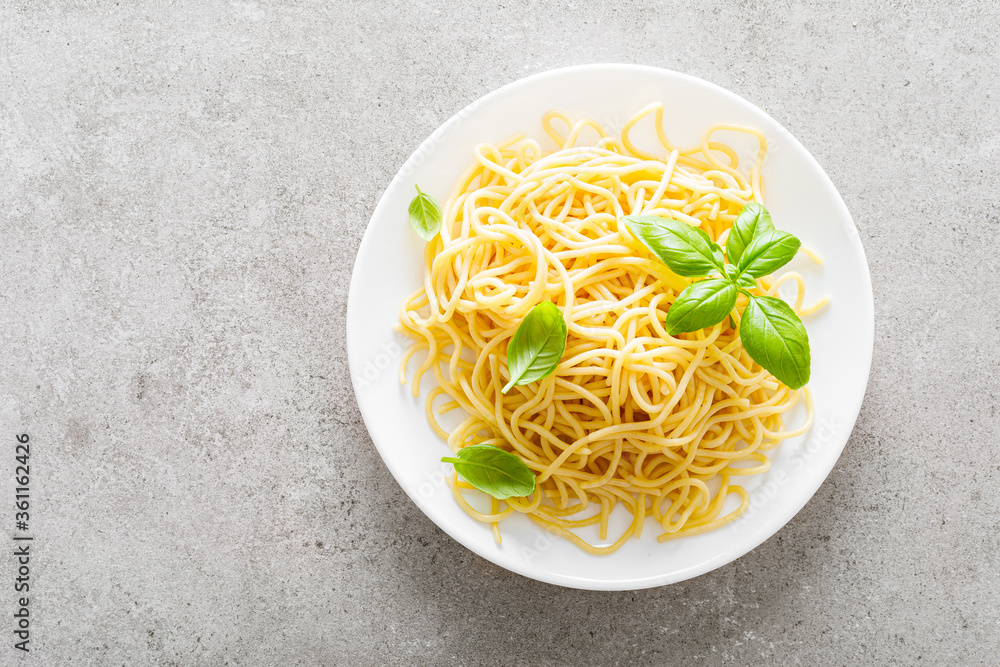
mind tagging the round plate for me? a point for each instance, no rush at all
(801, 199)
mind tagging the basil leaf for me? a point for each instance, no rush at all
(775, 338)
(425, 215)
(701, 305)
(767, 253)
(687, 250)
(752, 221)
(537, 346)
(729, 271)
(492, 470)
(746, 282)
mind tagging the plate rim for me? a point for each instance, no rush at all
(784, 516)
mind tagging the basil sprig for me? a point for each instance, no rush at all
(537, 346)
(771, 332)
(492, 470)
(425, 215)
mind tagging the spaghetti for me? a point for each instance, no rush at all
(632, 417)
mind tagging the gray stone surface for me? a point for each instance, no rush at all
(183, 187)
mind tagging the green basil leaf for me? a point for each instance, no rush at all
(537, 346)
(752, 221)
(687, 250)
(702, 304)
(775, 338)
(767, 253)
(746, 282)
(492, 470)
(425, 215)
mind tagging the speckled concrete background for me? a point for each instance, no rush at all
(183, 187)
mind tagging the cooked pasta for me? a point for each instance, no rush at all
(631, 417)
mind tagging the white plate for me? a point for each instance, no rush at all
(801, 199)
